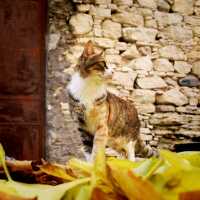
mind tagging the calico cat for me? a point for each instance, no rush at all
(111, 120)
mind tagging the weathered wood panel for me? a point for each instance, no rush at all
(22, 77)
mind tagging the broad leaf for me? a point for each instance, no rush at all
(6, 196)
(3, 162)
(133, 187)
(148, 167)
(42, 192)
(192, 156)
(56, 171)
(78, 168)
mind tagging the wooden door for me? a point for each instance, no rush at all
(22, 77)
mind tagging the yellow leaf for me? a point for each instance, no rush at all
(6, 196)
(133, 187)
(123, 164)
(192, 156)
(42, 192)
(194, 195)
(98, 194)
(79, 168)
(148, 167)
(3, 162)
(56, 171)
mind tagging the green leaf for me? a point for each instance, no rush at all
(42, 192)
(84, 193)
(3, 162)
(99, 174)
(6, 196)
(123, 164)
(78, 193)
(192, 156)
(148, 167)
(79, 168)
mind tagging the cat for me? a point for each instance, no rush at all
(112, 121)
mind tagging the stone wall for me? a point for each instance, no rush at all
(153, 48)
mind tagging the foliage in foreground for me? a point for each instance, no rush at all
(172, 176)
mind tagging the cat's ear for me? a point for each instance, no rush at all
(88, 49)
(95, 58)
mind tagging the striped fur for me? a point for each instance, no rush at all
(112, 121)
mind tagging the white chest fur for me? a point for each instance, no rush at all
(87, 90)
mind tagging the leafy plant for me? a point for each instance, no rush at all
(172, 176)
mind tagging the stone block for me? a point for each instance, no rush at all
(81, 23)
(172, 96)
(151, 82)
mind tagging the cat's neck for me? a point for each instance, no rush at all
(88, 89)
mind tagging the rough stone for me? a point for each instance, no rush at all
(196, 30)
(104, 42)
(141, 63)
(123, 2)
(139, 34)
(53, 41)
(189, 133)
(128, 18)
(83, 7)
(193, 55)
(121, 46)
(100, 12)
(145, 131)
(131, 52)
(182, 67)
(151, 23)
(197, 3)
(188, 109)
(163, 6)
(113, 59)
(165, 123)
(178, 33)
(125, 79)
(148, 3)
(145, 137)
(103, 2)
(164, 19)
(192, 20)
(189, 81)
(165, 108)
(183, 6)
(172, 96)
(146, 12)
(145, 108)
(143, 96)
(193, 101)
(172, 52)
(111, 29)
(145, 50)
(167, 119)
(163, 65)
(111, 52)
(81, 23)
(151, 82)
(196, 68)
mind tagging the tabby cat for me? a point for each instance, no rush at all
(111, 120)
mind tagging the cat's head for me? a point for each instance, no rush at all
(91, 62)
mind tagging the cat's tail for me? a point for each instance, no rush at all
(144, 150)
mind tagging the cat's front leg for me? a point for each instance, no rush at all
(130, 149)
(100, 140)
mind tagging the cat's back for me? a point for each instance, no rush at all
(123, 118)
